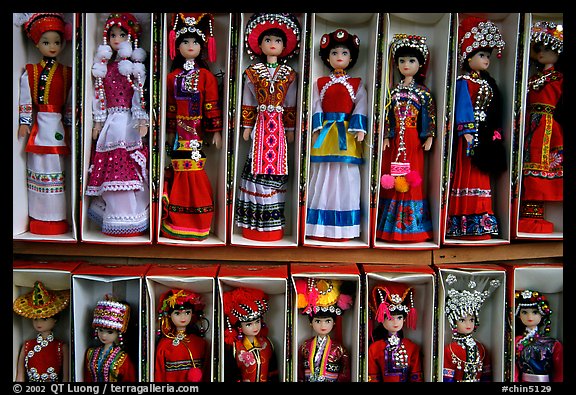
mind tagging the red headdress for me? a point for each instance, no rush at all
(242, 305)
(476, 33)
(260, 22)
(393, 298)
(36, 24)
(175, 299)
(339, 37)
(200, 23)
(548, 33)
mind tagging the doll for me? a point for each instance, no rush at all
(391, 356)
(480, 154)
(250, 355)
(339, 125)
(409, 129)
(109, 362)
(465, 358)
(182, 354)
(539, 357)
(543, 154)
(193, 113)
(268, 119)
(45, 358)
(322, 358)
(118, 172)
(45, 118)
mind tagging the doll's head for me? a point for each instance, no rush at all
(404, 48)
(547, 44)
(36, 25)
(244, 306)
(181, 309)
(476, 34)
(323, 322)
(339, 39)
(532, 310)
(110, 320)
(42, 305)
(281, 25)
(392, 307)
(190, 28)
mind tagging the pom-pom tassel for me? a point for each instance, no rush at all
(211, 49)
(400, 184)
(413, 178)
(172, 44)
(411, 318)
(382, 312)
(194, 375)
(344, 301)
(387, 181)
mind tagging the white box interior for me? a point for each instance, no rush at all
(217, 159)
(492, 321)
(436, 28)
(156, 286)
(241, 147)
(93, 29)
(365, 26)
(275, 318)
(423, 334)
(87, 290)
(24, 51)
(350, 321)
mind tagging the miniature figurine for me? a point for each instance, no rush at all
(543, 151)
(392, 357)
(118, 172)
(45, 118)
(322, 358)
(194, 114)
(480, 154)
(45, 358)
(409, 130)
(539, 357)
(182, 353)
(249, 354)
(465, 358)
(109, 362)
(269, 120)
(339, 126)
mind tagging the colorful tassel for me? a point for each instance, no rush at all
(387, 181)
(413, 178)
(194, 375)
(400, 184)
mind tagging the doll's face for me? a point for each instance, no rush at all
(272, 45)
(50, 44)
(465, 325)
(251, 328)
(393, 324)
(322, 325)
(408, 65)
(339, 58)
(116, 36)
(190, 48)
(107, 336)
(530, 317)
(43, 324)
(181, 318)
(543, 54)
(480, 61)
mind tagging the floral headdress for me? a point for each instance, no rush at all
(178, 299)
(260, 22)
(533, 299)
(200, 23)
(339, 37)
(393, 298)
(317, 295)
(41, 302)
(548, 33)
(111, 314)
(476, 33)
(242, 304)
(36, 24)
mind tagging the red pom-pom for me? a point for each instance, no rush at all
(194, 375)
(413, 178)
(345, 301)
(387, 181)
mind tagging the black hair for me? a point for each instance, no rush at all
(323, 314)
(419, 77)
(179, 60)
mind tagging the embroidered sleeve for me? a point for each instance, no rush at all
(359, 118)
(249, 103)
(427, 115)
(464, 111)
(212, 112)
(25, 101)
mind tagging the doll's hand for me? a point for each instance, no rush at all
(427, 144)
(246, 134)
(217, 140)
(314, 138)
(96, 129)
(385, 144)
(143, 129)
(23, 131)
(360, 136)
(289, 137)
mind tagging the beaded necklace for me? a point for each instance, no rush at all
(32, 373)
(540, 79)
(338, 77)
(473, 363)
(402, 112)
(399, 354)
(281, 73)
(528, 339)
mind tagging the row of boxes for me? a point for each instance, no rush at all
(224, 165)
(142, 285)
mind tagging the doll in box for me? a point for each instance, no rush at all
(409, 130)
(118, 172)
(194, 115)
(392, 357)
(109, 362)
(480, 154)
(339, 125)
(44, 358)
(323, 358)
(543, 151)
(268, 119)
(465, 358)
(249, 353)
(539, 357)
(182, 353)
(45, 118)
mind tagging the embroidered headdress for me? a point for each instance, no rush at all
(533, 299)
(260, 22)
(476, 33)
(41, 302)
(316, 295)
(179, 299)
(111, 314)
(201, 24)
(548, 33)
(339, 37)
(465, 295)
(36, 24)
(393, 298)
(242, 304)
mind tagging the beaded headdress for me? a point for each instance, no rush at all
(111, 314)
(179, 299)
(339, 37)
(318, 295)
(402, 40)
(260, 22)
(36, 24)
(242, 304)
(533, 299)
(41, 302)
(548, 33)
(476, 33)
(466, 294)
(201, 24)
(393, 298)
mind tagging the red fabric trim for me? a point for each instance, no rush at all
(48, 227)
(263, 236)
